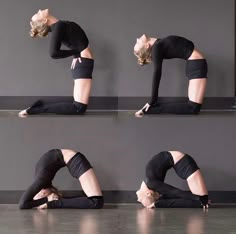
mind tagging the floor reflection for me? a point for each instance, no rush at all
(150, 220)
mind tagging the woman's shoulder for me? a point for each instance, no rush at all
(174, 38)
(57, 25)
(63, 22)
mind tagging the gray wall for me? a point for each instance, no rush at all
(118, 147)
(112, 26)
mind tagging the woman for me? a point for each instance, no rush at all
(42, 193)
(71, 35)
(149, 49)
(155, 193)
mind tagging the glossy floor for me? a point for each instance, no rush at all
(118, 219)
(124, 113)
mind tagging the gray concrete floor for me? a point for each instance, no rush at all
(118, 219)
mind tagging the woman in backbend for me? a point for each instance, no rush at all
(42, 194)
(154, 192)
(73, 36)
(155, 50)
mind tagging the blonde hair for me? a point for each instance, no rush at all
(144, 56)
(153, 197)
(39, 29)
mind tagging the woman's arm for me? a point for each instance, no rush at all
(177, 203)
(157, 60)
(171, 191)
(55, 44)
(95, 202)
(27, 200)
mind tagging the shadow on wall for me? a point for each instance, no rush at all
(174, 80)
(216, 178)
(106, 67)
(219, 77)
(104, 174)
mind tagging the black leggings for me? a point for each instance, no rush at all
(62, 108)
(187, 108)
(177, 203)
(95, 202)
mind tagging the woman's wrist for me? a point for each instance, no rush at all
(76, 54)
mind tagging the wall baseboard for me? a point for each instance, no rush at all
(113, 103)
(13, 196)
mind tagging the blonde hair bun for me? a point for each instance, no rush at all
(144, 56)
(39, 29)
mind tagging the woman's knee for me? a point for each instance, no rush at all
(194, 107)
(80, 108)
(99, 202)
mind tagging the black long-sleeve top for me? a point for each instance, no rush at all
(167, 48)
(69, 34)
(156, 170)
(45, 171)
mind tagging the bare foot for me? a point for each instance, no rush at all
(139, 114)
(23, 114)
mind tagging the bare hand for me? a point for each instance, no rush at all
(23, 113)
(151, 206)
(74, 61)
(140, 113)
(53, 197)
(206, 207)
(43, 206)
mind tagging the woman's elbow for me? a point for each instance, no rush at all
(23, 206)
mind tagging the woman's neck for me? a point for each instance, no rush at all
(51, 20)
(151, 41)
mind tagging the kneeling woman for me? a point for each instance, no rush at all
(155, 193)
(73, 36)
(155, 50)
(42, 193)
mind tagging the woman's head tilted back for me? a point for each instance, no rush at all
(142, 50)
(38, 23)
(146, 196)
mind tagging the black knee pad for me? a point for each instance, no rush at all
(98, 201)
(80, 107)
(194, 107)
